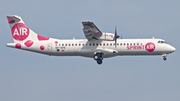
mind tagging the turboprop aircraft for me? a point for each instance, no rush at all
(97, 45)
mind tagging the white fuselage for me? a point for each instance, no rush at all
(83, 47)
(97, 45)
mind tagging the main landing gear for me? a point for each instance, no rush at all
(164, 57)
(98, 57)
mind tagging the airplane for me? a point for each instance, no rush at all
(97, 45)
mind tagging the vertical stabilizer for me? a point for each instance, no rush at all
(20, 32)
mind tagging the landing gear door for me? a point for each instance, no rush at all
(49, 47)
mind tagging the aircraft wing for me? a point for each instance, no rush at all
(91, 32)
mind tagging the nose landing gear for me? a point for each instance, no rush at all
(98, 57)
(164, 57)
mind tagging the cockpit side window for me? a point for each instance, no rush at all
(161, 42)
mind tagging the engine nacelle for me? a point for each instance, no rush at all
(107, 37)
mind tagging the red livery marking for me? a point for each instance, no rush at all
(135, 47)
(62, 50)
(90, 25)
(11, 21)
(96, 32)
(87, 24)
(29, 43)
(18, 45)
(150, 47)
(112, 36)
(56, 42)
(42, 47)
(41, 38)
(20, 32)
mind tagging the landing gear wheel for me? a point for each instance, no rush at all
(98, 58)
(164, 58)
(99, 61)
(95, 57)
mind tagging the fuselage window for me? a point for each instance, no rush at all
(127, 43)
(66, 44)
(59, 44)
(137, 43)
(124, 44)
(90, 44)
(100, 44)
(72, 44)
(134, 44)
(69, 44)
(83, 44)
(110, 44)
(141, 43)
(93, 44)
(117, 43)
(76, 44)
(79, 44)
(97, 44)
(62, 44)
(131, 44)
(86, 44)
(107, 44)
(121, 44)
(104, 44)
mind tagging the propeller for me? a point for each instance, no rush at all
(116, 36)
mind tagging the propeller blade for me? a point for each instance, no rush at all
(116, 36)
(115, 31)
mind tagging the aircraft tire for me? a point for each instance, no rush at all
(95, 57)
(99, 61)
(164, 58)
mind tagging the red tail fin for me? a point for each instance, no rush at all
(20, 32)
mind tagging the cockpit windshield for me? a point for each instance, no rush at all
(161, 42)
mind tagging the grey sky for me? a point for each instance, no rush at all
(27, 76)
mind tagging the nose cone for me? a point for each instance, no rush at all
(172, 49)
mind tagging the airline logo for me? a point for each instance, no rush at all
(135, 47)
(20, 32)
(150, 47)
